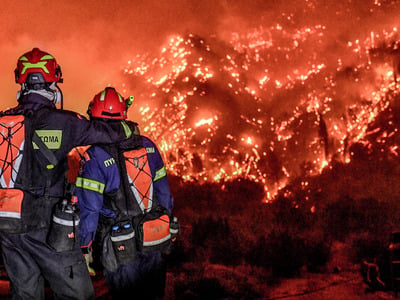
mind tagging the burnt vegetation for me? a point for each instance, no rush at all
(235, 244)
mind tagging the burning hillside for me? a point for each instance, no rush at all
(271, 103)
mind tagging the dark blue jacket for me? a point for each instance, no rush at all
(61, 131)
(100, 175)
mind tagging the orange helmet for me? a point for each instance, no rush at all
(108, 104)
(40, 64)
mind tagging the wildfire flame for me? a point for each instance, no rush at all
(267, 105)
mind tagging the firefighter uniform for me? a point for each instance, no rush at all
(28, 258)
(101, 180)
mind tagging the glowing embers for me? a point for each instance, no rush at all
(269, 105)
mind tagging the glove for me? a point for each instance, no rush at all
(87, 254)
(89, 260)
(134, 127)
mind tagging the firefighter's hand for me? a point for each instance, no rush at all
(89, 261)
(87, 254)
(134, 127)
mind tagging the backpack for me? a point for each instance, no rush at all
(12, 142)
(154, 227)
(153, 223)
(16, 157)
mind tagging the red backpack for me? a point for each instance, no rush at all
(153, 224)
(12, 140)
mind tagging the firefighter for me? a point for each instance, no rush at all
(35, 138)
(126, 208)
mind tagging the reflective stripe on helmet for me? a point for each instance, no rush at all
(47, 56)
(120, 98)
(38, 65)
(37, 61)
(102, 95)
(89, 184)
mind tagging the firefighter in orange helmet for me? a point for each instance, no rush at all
(35, 138)
(126, 207)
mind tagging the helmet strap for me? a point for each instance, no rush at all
(59, 96)
(52, 92)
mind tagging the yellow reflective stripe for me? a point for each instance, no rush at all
(52, 138)
(102, 95)
(38, 65)
(120, 98)
(90, 184)
(47, 56)
(128, 131)
(23, 57)
(160, 173)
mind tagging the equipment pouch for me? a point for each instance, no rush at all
(108, 258)
(122, 236)
(10, 210)
(154, 234)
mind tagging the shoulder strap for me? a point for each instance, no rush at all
(45, 151)
(122, 201)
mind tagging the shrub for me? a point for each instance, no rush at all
(208, 228)
(318, 253)
(367, 246)
(204, 288)
(285, 254)
(280, 252)
(239, 194)
(290, 215)
(372, 216)
(338, 218)
(226, 251)
(214, 235)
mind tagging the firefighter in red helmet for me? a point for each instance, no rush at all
(126, 207)
(35, 138)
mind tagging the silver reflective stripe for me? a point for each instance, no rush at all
(138, 198)
(3, 182)
(65, 222)
(17, 164)
(157, 242)
(8, 214)
(122, 237)
(89, 184)
(15, 169)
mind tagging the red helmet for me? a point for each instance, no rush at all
(37, 62)
(108, 104)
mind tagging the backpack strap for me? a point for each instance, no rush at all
(45, 151)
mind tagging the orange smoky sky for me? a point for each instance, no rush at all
(93, 40)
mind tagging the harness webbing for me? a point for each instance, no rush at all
(12, 137)
(140, 178)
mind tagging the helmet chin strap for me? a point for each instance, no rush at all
(59, 96)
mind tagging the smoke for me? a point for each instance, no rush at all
(299, 79)
(93, 39)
